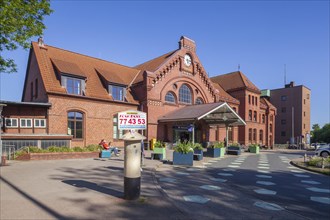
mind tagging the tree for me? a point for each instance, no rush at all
(321, 135)
(20, 20)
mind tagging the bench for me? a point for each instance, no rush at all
(234, 150)
(156, 156)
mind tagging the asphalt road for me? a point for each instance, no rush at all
(248, 186)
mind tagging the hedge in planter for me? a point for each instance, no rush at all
(254, 148)
(216, 150)
(160, 148)
(198, 151)
(183, 154)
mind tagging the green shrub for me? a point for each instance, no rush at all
(253, 145)
(92, 148)
(217, 145)
(197, 146)
(183, 148)
(159, 144)
(78, 149)
(317, 162)
(58, 149)
(236, 144)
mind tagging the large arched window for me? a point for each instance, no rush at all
(185, 94)
(169, 97)
(75, 124)
(199, 101)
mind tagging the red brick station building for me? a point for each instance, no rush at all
(73, 99)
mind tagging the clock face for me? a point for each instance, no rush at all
(187, 60)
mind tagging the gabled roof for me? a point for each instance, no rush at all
(53, 62)
(223, 95)
(234, 81)
(267, 103)
(152, 65)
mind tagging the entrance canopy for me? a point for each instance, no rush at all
(219, 113)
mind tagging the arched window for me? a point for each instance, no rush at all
(199, 101)
(185, 94)
(250, 115)
(169, 97)
(75, 124)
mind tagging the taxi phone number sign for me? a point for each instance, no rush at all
(129, 120)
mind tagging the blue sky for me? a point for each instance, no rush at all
(261, 36)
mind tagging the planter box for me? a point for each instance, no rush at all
(216, 152)
(183, 159)
(198, 154)
(160, 151)
(254, 150)
(58, 156)
(234, 150)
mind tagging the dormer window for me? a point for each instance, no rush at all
(118, 93)
(73, 85)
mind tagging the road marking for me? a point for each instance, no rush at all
(291, 167)
(297, 171)
(207, 163)
(310, 182)
(301, 175)
(315, 189)
(236, 163)
(266, 183)
(268, 206)
(263, 171)
(200, 166)
(196, 199)
(265, 191)
(264, 176)
(263, 165)
(233, 166)
(218, 179)
(325, 200)
(182, 173)
(210, 187)
(167, 179)
(192, 169)
(263, 168)
(225, 174)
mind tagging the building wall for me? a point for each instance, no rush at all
(97, 118)
(297, 103)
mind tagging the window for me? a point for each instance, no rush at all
(307, 96)
(254, 134)
(261, 136)
(283, 98)
(39, 123)
(252, 100)
(270, 128)
(117, 134)
(169, 97)
(250, 115)
(230, 133)
(304, 126)
(249, 99)
(304, 114)
(304, 101)
(250, 134)
(73, 85)
(185, 94)
(283, 133)
(11, 122)
(271, 118)
(263, 118)
(26, 123)
(254, 116)
(283, 110)
(256, 101)
(118, 92)
(75, 124)
(283, 121)
(199, 101)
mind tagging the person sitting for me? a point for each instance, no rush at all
(106, 146)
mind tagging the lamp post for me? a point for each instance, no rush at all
(1, 107)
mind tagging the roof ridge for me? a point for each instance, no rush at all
(95, 58)
(149, 61)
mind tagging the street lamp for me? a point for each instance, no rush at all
(1, 107)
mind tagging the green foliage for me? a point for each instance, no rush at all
(78, 149)
(197, 146)
(253, 145)
(317, 162)
(237, 144)
(321, 135)
(159, 144)
(93, 148)
(20, 21)
(58, 149)
(217, 145)
(183, 147)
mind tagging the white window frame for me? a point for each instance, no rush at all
(11, 122)
(40, 120)
(27, 119)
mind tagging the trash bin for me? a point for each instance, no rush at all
(152, 143)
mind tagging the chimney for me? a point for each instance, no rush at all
(41, 42)
(290, 85)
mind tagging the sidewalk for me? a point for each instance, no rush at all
(80, 189)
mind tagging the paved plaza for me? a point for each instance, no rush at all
(248, 186)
